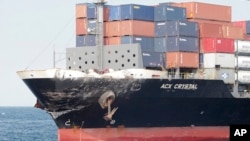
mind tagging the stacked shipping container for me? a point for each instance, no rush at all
(183, 32)
(217, 35)
(86, 24)
(176, 36)
(129, 24)
(242, 50)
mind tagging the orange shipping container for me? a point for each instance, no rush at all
(247, 37)
(210, 30)
(138, 28)
(81, 10)
(112, 29)
(182, 60)
(112, 40)
(210, 21)
(232, 32)
(81, 28)
(198, 10)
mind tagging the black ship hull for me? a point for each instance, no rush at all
(141, 102)
(113, 107)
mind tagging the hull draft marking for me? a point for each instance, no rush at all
(67, 123)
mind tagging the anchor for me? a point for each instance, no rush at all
(105, 101)
(108, 116)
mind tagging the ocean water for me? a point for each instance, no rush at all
(26, 124)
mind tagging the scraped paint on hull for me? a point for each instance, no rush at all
(145, 134)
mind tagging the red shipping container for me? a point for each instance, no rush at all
(198, 10)
(105, 14)
(182, 60)
(137, 28)
(210, 30)
(232, 32)
(112, 41)
(112, 29)
(216, 45)
(243, 24)
(81, 26)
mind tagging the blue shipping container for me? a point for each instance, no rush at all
(176, 28)
(91, 11)
(189, 44)
(248, 27)
(160, 44)
(160, 29)
(114, 13)
(137, 12)
(86, 40)
(147, 43)
(165, 12)
(153, 59)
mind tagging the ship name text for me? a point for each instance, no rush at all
(180, 86)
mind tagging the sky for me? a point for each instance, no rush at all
(31, 29)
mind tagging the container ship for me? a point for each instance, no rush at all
(172, 71)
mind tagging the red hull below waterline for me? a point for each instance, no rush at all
(145, 134)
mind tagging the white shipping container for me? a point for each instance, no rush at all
(227, 75)
(243, 62)
(224, 60)
(244, 76)
(242, 46)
